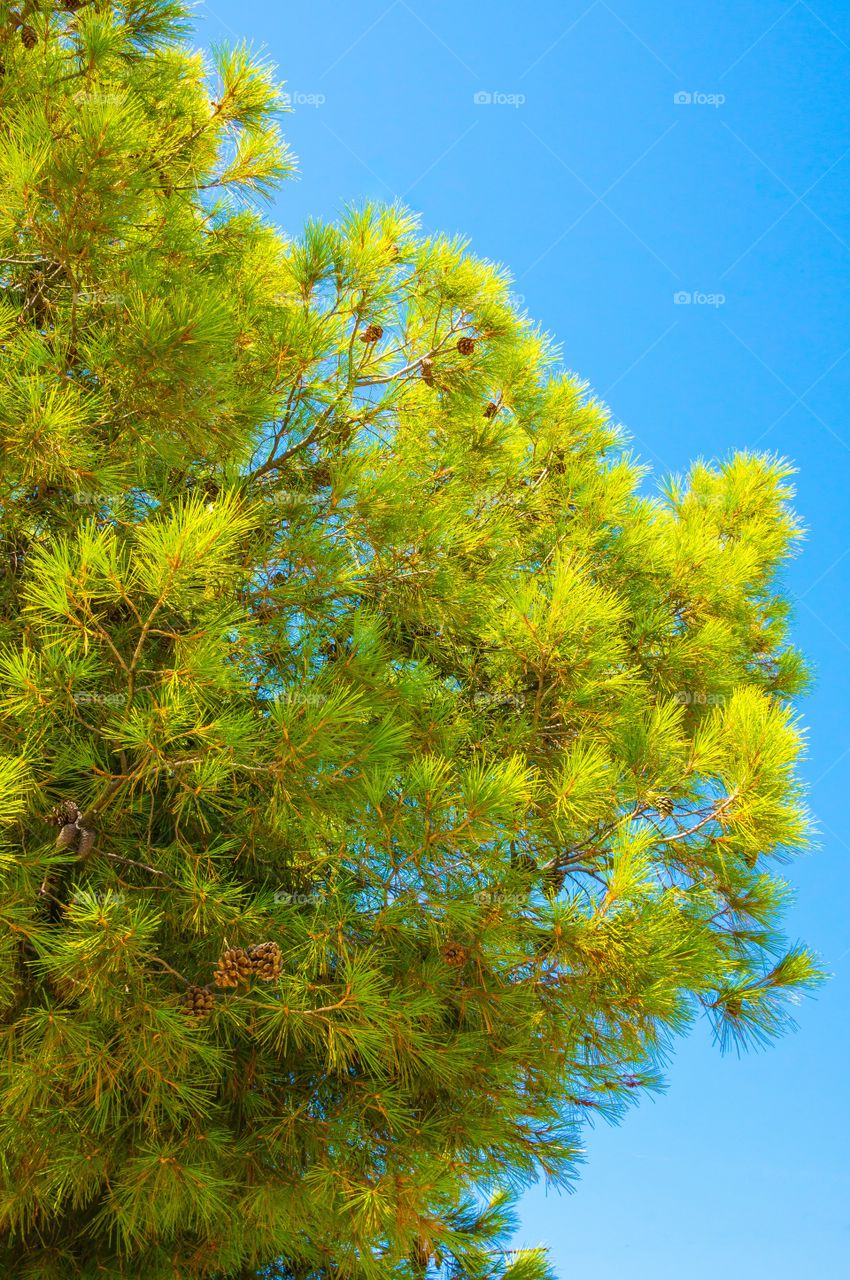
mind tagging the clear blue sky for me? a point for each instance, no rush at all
(606, 197)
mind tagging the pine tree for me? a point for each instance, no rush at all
(384, 780)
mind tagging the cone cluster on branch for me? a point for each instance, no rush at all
(66, 812)
(267, 961)
(263, 961)
(234, 967)
(198, 1002)
(72, 834)
(454, 955)
(466, 346)
(372, 333)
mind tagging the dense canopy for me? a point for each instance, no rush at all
(385, 776)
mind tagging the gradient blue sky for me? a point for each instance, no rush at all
(606, 197)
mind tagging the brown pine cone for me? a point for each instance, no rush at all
(454, 955)
(466, 346)
(67, 836)
(267, 961)
(427, 368)
(28, 37)
(66, 812)
(86, 842)
(372, 333)
(198, 1002)
(233, 967)
(491, 410)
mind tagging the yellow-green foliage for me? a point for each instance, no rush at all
(376, 650)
